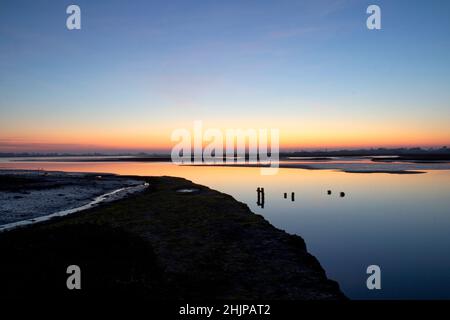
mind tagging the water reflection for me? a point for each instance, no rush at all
(399, 222)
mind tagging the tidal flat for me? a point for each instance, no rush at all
(27, 196)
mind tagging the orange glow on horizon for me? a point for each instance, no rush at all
(163, 143)
(294, 135)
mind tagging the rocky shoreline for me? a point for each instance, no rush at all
(164, 244)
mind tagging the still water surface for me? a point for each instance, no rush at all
(399, 222)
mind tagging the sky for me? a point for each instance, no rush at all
(138, 70)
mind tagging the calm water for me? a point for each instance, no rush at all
(399, 222)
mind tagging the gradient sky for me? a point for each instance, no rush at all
(139, 69)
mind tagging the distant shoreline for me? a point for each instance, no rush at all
(376, 154)
(376, 164)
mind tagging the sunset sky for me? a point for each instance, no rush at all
(137, 70)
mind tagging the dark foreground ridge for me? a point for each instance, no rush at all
(163, 244)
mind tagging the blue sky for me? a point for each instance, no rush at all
(157, 64)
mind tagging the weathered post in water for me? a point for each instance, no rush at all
(262, 198)
(260, 192)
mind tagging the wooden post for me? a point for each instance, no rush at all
(262, 198)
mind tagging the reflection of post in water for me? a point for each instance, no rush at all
(260, 193)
